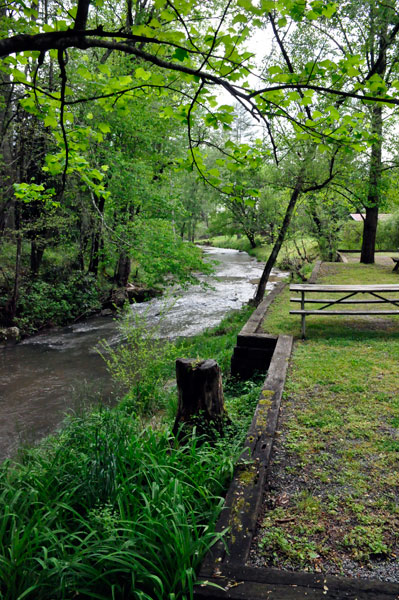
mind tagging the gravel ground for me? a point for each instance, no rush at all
(287, 479)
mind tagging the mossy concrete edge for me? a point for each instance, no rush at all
(244, 496)
(254, 349)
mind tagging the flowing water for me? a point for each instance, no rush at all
(44, 376)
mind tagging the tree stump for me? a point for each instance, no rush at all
(200, 390)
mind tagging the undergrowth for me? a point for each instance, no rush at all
(105, 511)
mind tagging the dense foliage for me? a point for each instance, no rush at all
(108, 112)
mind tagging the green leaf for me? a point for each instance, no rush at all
(267, 5)
(334, 114)
(180, 54)
(240, 19)
(275, 69)
(104, 127)
(168, 111)
(330, 10)
(50, 121)
(167, 16)
(140, 73)
(247, 4)
(312, 15)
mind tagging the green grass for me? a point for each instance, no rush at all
(108, 509)
(336, 482)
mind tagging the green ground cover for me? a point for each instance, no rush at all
(112, 507)
(335, 487)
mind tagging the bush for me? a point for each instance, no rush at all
(163, 257)
(43, 303)
(388, 233)
(351, 235)
(140, 363)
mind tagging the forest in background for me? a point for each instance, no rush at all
(118, 149)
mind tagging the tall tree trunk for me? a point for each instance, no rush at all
(36, 255)
(373, 196)
(380, 16)
(96, 240)
(260, 292)
(7, 171)
(123, 269)
(11, 306)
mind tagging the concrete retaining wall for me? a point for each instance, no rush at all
(254, 349)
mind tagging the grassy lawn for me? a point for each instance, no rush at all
(333, 504)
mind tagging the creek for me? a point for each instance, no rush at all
(45, 376)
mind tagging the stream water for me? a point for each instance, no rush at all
(46, 375)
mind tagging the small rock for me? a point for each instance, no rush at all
(9, 334)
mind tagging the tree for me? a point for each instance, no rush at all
(173, 50)
(365, 36)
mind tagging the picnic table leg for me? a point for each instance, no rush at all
(303, 317)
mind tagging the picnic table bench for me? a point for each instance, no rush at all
(349, 294)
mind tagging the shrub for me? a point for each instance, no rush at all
(140, 363)
(42, 303)
(351, 235)
(388, 233)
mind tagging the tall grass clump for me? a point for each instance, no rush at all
(105, 511)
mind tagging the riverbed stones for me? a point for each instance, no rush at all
(9, 335)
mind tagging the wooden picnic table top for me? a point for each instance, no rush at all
(311, 287)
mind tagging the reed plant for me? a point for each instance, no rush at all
(107, 511)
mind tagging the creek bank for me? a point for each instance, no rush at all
(44, 376)
(110, 304)
(132, 293)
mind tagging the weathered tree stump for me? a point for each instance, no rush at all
(201, 402)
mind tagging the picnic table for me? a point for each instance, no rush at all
(348, 294)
